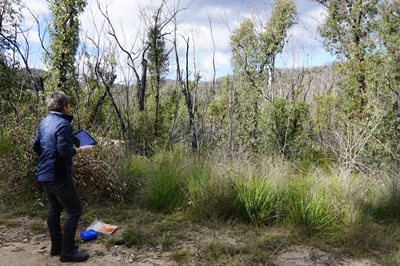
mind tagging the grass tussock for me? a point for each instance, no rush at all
(180, 256)
(133, 237)
(161, 180)
(307, 205)
(259, 191)
(256, 199)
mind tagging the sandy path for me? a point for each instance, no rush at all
(20, 245)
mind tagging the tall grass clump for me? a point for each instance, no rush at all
(210, 190)
(256, 198)
(349, 190)
(383, 203)
(308, 204)
(258, 188)
(198, 182)
(165, 181)
(139, 168)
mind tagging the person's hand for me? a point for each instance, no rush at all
(86, 149)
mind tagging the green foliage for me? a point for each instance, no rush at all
(324, 114)
(282, 19)
(180, 256)
(64, 41)
(246, 49)
(157, 54)
(390, 34)
(132, 237)
(145, 142)
(8, 84)
(286, 127)
(256, 198)
(198, 183)
(253, 55)
(349, 32)
(165, 190)
(10, 92)
(10, 19)
(253, 52)
(211, 196)
(6, 146)
(349, 27)
(166, 241)
(384, 203)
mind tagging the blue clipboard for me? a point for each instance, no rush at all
(82, 138)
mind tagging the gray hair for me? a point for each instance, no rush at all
(56, 101)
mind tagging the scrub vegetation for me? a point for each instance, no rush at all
(269, 157)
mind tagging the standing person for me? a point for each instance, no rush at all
(54, 146)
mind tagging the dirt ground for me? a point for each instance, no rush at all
(25, 242)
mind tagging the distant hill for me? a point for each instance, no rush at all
(312, 81)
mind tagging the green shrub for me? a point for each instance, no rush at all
(286, 127)
(132, 237)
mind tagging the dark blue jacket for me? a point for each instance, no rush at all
(53, 143)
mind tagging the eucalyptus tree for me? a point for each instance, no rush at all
(390, 35)
(64, 42)
(253, 58)
(350, 33)
(275, 34)
(254, 53)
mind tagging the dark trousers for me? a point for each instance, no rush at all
(63, 196)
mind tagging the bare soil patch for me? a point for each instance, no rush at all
(25, 241)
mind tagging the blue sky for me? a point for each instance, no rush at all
(304, 47)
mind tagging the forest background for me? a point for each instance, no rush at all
(314, 148)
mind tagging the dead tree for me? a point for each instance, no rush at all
(132, 57)
(185, 87)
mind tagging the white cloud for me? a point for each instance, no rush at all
(37, 7)
(222, 64)
(305, 45)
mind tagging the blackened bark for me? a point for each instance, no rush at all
(142, 85)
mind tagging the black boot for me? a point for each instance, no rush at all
(57, 251)
(78, 256)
